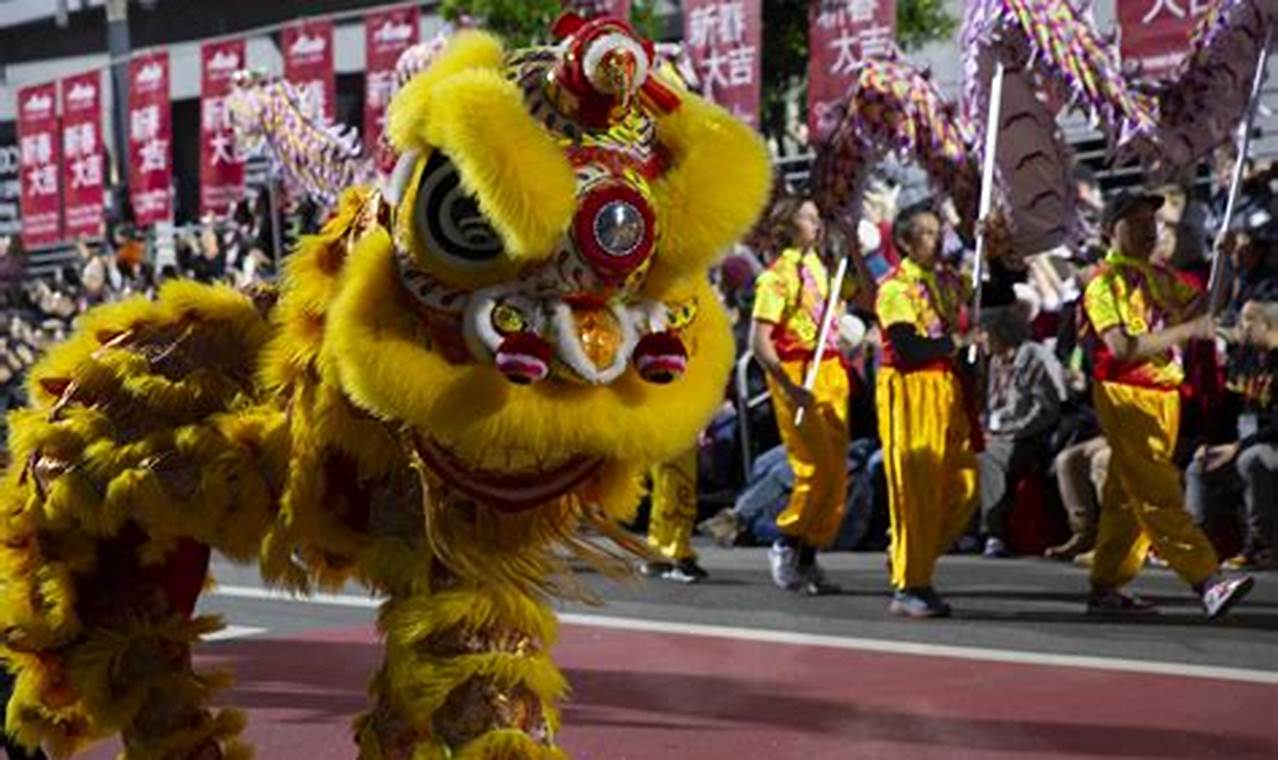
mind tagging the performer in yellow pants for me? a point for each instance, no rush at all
(817, 451)
(670, 522)
(1142, 498)
(923, 421)
(930, 465)
(1139, 310)
(790, 300)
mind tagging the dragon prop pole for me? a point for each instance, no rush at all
(987, 193)
(827, 320)
(1244, 145)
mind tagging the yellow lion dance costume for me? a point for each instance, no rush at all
(457, 374)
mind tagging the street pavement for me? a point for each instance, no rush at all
(734, 668)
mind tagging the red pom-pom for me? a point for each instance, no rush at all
(661, 357)
(524, 358)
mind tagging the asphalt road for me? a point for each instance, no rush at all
(734, 668)
(1025, 605)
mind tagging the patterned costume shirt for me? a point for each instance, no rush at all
(791, 295)
(1141, 298)
(929, 301)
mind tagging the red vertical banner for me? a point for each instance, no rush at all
(221, 168)
(150, 139)
(39, 153)
(1155, 33)
(842, 33)
(725, 40)
(83, 159)
(386, 36)
(308, 62)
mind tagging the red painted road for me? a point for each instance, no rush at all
(650, 696)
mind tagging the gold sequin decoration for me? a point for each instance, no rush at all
(680, 314)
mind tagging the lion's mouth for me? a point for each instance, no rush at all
(510, 490)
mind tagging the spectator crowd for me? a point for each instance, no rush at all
(1043, 462)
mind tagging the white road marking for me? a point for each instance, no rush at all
(233, 632)
(1115, 664)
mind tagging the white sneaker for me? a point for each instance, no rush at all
(784, 561)
(1220, 593)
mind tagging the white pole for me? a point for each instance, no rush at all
(1244, 145)
(827, 320)
(992, 126)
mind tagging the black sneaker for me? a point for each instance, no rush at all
(655, 568)
(815, 583)
(1114, 603)
(686, 571)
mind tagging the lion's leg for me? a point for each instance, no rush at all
(467, 674)
(133, 666)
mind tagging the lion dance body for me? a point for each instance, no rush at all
(452, 393)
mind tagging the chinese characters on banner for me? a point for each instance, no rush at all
(725, 39)
(1155, 33)
(38, 145)
(83, 159)
(150, 139)
(842, 33)
(221, 167)
(386, 36)
(594, 8)
(308, 62)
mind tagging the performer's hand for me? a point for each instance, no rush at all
(1215, 457)
(799, 396)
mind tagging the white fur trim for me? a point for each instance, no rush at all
(400, 176)
(482, 338)
(608, 42)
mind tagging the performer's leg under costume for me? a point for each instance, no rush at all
(1142, 503)
(674, 508)
(817, 451)
(931, 468)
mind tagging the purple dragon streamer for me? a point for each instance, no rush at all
(1201, 104)
(314, 157)
(894, 108)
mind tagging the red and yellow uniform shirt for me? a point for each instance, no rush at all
(1140, 298)
(791, 296)
(929, 301)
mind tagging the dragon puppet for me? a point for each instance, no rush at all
(451, 394)
(1054, 59)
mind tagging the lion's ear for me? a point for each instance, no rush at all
(718, 183)
(468, 50)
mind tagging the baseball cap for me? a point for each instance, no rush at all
(1125, 202)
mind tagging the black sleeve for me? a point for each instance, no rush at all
(914, 350)
(1267, 433)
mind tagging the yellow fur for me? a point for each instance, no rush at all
(716, 189)
(468, 50)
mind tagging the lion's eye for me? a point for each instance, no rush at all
(449, 220)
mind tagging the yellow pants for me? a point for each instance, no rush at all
(931, 468)
(817, 451)
(674, 507)
(1142, 503)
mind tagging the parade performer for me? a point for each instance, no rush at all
(1141, 312)
(790, 298)
(671, 520)
(924, 415)
(461, 370)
